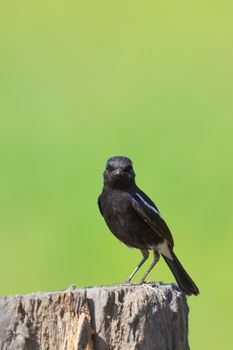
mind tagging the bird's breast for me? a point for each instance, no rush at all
(118, 211)
(125, 223)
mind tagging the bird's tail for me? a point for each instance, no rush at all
(183, 279)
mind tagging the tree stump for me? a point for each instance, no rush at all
(151, 316)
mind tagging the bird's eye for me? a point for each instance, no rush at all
(128, 168)
(109, 168)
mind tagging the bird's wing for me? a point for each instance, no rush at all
(99, 205)
(151, 215)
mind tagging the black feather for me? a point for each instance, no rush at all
(183, 279)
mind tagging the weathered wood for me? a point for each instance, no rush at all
(121, 317)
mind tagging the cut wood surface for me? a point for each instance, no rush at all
(151, 316)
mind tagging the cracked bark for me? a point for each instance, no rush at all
(121, 317)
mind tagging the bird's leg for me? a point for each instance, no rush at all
(145, 254)
(156, 259)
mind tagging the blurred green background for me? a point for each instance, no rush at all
(82, 81)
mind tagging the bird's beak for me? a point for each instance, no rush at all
(118, 173)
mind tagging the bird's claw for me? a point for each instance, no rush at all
(141, 281)
(127, 281)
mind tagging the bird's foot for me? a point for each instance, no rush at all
(142, 280)
(128, 281)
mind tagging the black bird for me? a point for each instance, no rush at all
(136, 221)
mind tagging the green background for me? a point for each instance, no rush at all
(82, 81)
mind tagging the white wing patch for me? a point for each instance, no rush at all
(148, 205)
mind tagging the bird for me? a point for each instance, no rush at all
(135, 220)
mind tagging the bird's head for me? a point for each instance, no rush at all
(119, 172)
